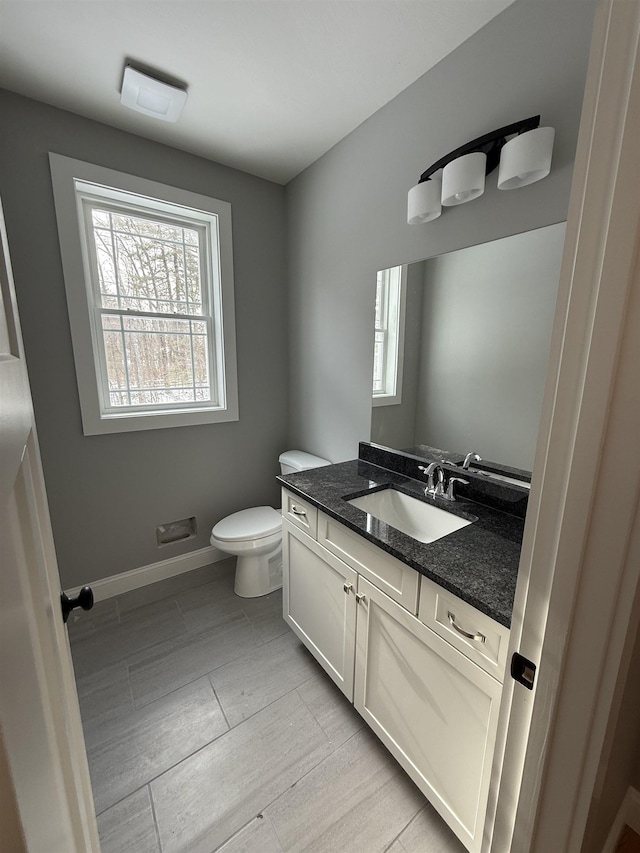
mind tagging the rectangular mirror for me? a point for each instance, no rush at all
(474, 349)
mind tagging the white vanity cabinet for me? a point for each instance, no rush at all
(382, 637)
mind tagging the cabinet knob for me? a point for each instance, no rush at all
(347, 587)
(359, 597)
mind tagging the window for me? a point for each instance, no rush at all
(149, 281)
(389, 336)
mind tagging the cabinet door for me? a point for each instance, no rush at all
(433, 708)
(319, 604)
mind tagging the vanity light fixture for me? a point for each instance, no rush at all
(522, 150)
(150, 96)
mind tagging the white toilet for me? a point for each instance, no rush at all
(255, 536)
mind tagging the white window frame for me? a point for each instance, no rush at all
(393, 282)
(75, 185)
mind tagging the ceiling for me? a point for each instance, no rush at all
(273, 84)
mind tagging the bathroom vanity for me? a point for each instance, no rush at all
(415, 634)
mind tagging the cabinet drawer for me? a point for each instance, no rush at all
(480, 638)
(300, 512)
(399, 581)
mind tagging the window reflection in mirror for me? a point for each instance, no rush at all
(388, 350)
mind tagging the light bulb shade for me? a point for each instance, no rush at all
(526, 159)
(423, 203)
(463, 178)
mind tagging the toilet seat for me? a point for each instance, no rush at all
(255, 523)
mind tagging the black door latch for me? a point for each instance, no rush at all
(523, 670)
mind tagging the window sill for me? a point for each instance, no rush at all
(93, 424)
(386, 400)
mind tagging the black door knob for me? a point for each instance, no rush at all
(84, 599)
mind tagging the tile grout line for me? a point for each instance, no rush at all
(229, 838)
(149, 782)
(195, 678)
(155, 817)
(275, 833)
(218, 700)
(206, 674)
(404, 828)
(233, 728)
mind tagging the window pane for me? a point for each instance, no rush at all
(146, 227)
(119, 398)
(114, 354)
(379, 300)
(159, 361)
(200, 361)
(149, 266)
(194, 288)
(100, 218)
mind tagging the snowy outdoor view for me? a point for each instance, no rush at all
(153, 310)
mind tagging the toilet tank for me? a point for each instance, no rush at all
(297, 460)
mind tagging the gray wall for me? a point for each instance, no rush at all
(346, 214)
(108, 493)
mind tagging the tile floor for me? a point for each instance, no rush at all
(209, 727)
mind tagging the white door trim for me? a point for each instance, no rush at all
(574, 599)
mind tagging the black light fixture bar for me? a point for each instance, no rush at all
(490, 144)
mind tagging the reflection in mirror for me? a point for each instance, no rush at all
(476, 345)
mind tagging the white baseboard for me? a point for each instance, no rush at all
(628, 814)
(144, 575)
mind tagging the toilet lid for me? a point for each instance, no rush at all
(254, 523)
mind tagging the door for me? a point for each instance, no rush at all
(434, 709)
(577, 580)
(319, 604)
(39, 714)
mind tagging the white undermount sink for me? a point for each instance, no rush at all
(420, 520)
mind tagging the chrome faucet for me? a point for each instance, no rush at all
(434, 489)
(471, 457)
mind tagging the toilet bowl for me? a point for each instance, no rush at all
(254, 536)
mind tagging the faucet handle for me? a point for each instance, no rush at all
(433, 489)
(450, 495)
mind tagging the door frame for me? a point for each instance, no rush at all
(574, 608)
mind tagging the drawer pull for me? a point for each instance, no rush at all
(478, 638)
(359, 597)
(347, 587)
(296, 511)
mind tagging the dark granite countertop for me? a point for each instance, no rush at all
(478, 563)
